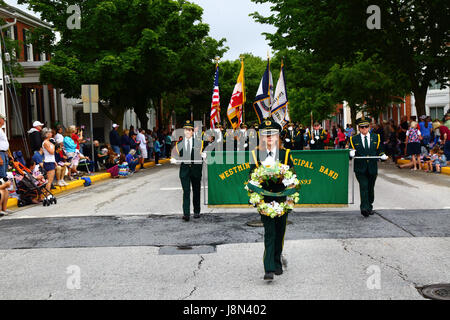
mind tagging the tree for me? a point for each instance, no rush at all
(364, 85)
(413, 38)
(137, 51)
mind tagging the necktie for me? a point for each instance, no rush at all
(270, 154)
(366, 143)
(189, 148)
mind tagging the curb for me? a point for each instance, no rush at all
(444, 170)
(12, 202)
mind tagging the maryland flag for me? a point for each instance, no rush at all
(235, 108)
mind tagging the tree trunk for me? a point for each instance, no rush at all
(420, 95)
(115, 113)
(143, 118)
(353, 115)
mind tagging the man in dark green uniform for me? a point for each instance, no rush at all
(366, 144)
(189, 152)
(288, 136)
(274, 228)
(317, 137)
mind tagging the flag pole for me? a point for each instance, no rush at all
(241, 57)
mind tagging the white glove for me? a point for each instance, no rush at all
(246, 145)
(288, 140)
(173, 161)
(384, 157)
(317, 137)
(312, 142)
(204, 155)
(352, 153)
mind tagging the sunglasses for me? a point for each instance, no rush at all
(362, 127)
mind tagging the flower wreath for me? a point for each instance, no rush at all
(277, 173)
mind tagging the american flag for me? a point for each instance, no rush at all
(215, 105)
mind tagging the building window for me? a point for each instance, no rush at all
(437, 112)
(27, 47)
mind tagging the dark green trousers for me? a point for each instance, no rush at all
(188, 179)
(274, 230)
(366, 189)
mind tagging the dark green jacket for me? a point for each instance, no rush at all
(376, 149)
(188, 168)
(283, 155)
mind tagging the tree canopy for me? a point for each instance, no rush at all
(137, 51)
(413, 38)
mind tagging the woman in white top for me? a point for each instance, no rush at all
(49, 156)
(59, 138)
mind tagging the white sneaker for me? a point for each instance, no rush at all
(65, 183)
(61, 183)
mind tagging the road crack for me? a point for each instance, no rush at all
(347, 246)
(195, 273)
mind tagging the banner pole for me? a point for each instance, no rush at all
(353, 181)
(204, 184)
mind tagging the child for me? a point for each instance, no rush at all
(433, 157)
(157, 147)
(440, 162)
(123, 166)
(35, 171)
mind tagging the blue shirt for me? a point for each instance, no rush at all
(37, 157)
(69, 144)
(426, 132)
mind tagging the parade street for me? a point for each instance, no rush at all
(125, 239)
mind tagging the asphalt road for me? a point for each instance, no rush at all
(124, 239)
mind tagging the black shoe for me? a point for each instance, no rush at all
(268, 276)
(279, 272)
(196, 215)
(186, 218)
(365, 213)
(372, 212)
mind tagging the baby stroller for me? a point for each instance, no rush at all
(27, 187)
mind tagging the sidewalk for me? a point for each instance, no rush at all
(12, 202)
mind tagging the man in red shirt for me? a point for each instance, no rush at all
(445, 140)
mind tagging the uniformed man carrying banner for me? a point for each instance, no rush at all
(363, 145)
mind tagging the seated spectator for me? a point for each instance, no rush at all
(440, 162)
(62, 166)
(123, 167)
(4, 195)
(111, 163)
(37, 174)
(132, 160)
(38, 158)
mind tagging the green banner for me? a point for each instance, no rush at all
(323, 175)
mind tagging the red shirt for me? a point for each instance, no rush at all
(76, 139)
(444, 130)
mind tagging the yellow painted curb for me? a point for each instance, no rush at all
(12, 202)
(152, 163)
(444, 170)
